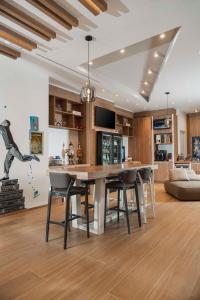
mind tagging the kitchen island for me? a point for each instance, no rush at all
(99, 173)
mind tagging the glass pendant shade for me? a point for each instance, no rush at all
(168, 119)
(88, 93)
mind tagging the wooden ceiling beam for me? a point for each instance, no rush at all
(6, 54)
(101, 4)
(25, 20)
(94, 6)
(8, 51)
(16, 38)
(56, 12)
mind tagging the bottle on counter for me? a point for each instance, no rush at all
(79, 154)
(63, 152)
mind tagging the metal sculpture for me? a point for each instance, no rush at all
(13, 150)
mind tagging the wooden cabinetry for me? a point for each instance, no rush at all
(146, 140)
(193, 129)
(140, 144)
(65, 114)
(124, 125)
(162, 173)
(163, 137)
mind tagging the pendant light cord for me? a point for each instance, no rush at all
(88, 62)
(167, 105)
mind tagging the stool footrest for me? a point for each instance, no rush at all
(89, 205)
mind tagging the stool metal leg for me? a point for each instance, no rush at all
(93, 193)
(138, 205)
(87, 214)
(143, 202)
(118, 204)
(105, 209)
(67, 208)
(126, 210)
(152, 197)
(48, 216)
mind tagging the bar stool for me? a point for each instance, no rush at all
(145, 179)
(62, 185)
(127, 180)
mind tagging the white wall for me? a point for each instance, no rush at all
(56, 138)
(182, 126)
(24, 90)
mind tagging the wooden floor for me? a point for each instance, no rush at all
(157, 262)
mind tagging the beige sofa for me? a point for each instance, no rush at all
(184, 185)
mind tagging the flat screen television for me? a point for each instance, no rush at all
(104, 117)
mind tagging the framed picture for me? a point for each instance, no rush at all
(34, 123)
(196, 147)
(36, 142)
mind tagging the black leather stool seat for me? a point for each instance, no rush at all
(88, 182)
(119, 185)
(74, 190)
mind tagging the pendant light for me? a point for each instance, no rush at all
(88, 92)
(168, 119)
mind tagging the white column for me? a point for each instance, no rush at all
(99, 205)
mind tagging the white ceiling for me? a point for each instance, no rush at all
(125, 23)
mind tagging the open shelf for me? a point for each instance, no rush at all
(67, 113)
(67, 128)
(124, 125)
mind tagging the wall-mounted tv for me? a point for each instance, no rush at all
(104, 117)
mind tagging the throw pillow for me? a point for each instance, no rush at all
(178, 174)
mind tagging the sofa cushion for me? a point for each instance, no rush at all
(183, 190)
(178, 174)
(192, 175)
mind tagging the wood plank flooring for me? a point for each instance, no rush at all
(160, 261)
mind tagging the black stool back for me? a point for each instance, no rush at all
(62, 185)
(60, 181)
(127, 180)
(128, 177)
(145, 174)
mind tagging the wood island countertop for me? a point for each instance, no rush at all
(95, 172)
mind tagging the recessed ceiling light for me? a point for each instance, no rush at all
(145, 83)
(122, 51)
(150, 72)
(196, 110)
(143, 92)
(162, 35)
(91, 63)
(156, 54)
